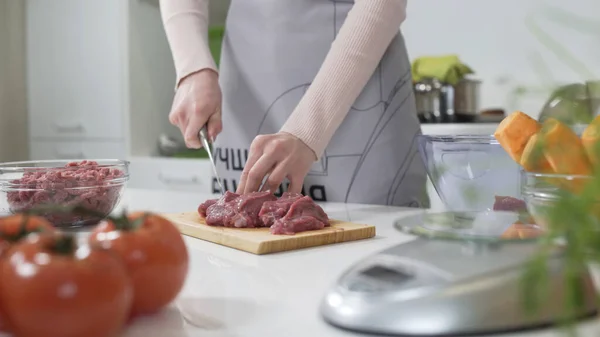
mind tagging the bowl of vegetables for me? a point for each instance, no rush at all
(561, 200)
(49, 187)
(560, 164)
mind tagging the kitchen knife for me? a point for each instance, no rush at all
(203, 135)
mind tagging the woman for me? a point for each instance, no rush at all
(317, 97)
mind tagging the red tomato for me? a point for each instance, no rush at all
(14, 228)
(155, 255)
(52, 287)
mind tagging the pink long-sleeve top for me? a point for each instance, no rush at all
(353, 57)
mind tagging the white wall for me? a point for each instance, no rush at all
(493, 37)
(13, 109)
(521, 49)
(511, 43)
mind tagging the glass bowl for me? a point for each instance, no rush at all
(482, 227)
(93, 185)
(541, 191)
(469, 172)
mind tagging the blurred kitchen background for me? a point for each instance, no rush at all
(94, 79)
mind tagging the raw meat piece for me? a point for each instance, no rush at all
(277, 209)
(509, 204)
(290, 214)
(217, 209)
(234, 210)
(303, 215)
(249, 206)
(228, 196)
(205, 205)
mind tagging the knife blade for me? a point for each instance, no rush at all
(203, 135)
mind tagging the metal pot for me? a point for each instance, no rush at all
(434, 101)
(466, 99)
(443, 103)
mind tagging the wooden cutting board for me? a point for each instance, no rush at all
(259, 241)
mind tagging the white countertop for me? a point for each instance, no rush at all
(231, 293)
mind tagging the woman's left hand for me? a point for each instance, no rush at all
(280, 155)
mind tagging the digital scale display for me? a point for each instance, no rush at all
(386, 274)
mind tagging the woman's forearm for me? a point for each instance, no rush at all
(354, 55)
(186, 26)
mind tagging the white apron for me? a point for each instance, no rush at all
(271, 52)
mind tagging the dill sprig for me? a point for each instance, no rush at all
(573, 218)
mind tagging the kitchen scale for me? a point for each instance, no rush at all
(460, 277)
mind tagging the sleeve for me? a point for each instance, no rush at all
(354, 55)
(186, 26)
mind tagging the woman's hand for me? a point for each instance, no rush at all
(279, 156)
(197, 102)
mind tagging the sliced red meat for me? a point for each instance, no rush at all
(303, 215)
(292, 213)
(247, 209)
(221, 210)
(296, 225)
(277, 209)
(205, 205)
(234, 210)
(509, 204)
(227, 197)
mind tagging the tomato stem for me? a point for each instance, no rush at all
(22, 231)
(123, 223)
(64, 245)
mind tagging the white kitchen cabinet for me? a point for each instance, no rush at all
(44, 150)
(98, 72)
(74, 58)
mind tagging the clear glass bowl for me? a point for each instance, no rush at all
(483, 227)
(541, 192)
(469, 171)
(96, 185)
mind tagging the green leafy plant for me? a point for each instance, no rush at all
(572, 219)
(572, 226)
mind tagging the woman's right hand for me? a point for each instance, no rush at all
(197, 102)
